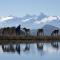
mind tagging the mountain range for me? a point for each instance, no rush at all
(30, 21)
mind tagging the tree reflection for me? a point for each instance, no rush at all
(40, 48)
(27, 47)
(55, 45)
(18, 48)
(8, 48)
(11, 48)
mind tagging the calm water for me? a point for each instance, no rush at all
(47, 51)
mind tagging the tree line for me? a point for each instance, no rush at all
(15, 31)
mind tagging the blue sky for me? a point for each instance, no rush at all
(23, 7)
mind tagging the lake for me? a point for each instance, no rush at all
(34, 51)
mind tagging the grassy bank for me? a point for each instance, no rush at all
(29, 39)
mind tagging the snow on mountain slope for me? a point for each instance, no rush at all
(30, 21)
(47, 30)
(46, 19)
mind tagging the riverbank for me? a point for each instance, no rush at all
(29, 39)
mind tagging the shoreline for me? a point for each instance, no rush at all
(28, 39)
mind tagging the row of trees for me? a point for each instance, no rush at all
(14, 31)
(17, 31)
(41, 32)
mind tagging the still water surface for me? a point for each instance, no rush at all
(47, 51)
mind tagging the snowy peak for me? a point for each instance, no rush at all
(30, 21)
(41, 16)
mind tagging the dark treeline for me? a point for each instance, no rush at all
(15, 31)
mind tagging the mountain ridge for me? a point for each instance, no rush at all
(30, 21)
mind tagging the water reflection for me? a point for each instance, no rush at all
(11, 48)
(8, 48)
(55, 45)
(33, 51)
(27, 47)
(18, 48)
(39, 48)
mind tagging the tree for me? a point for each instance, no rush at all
(27, 31)
(40, 32)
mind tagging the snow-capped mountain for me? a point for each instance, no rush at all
(47, 30)
(30, 21)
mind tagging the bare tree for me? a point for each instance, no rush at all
(40, 32)
(55, 32)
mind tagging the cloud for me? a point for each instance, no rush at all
(26, 20)
(5, 18)
(45, 20)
